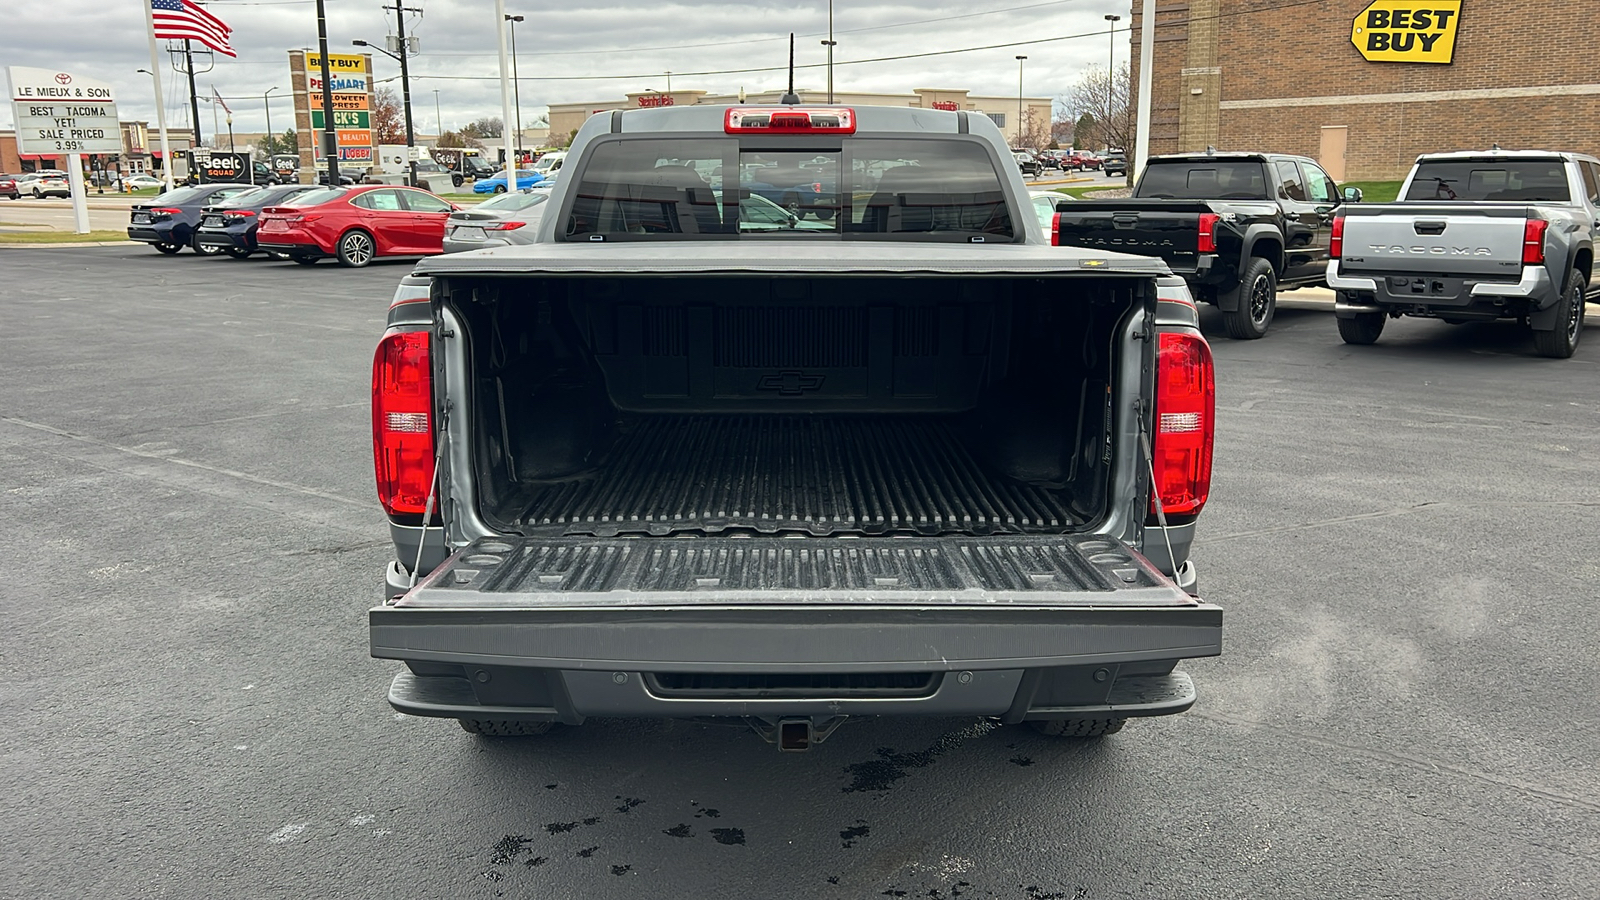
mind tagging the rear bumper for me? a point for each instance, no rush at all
(290, 247)
(1378, 293)
(1012, 662)
(572, 696)
(216, 237)
(152, 234)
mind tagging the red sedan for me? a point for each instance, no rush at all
(356, 225)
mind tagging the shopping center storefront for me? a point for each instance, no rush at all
(1035, 119)
(1364, 87)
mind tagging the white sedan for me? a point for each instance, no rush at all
(140, 182)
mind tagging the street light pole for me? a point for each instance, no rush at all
(831, 44)
(1019, 99)
(505, 94)
(267, 105)
(1111, 75)
(516, 83)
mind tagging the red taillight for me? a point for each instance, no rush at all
(167, 210)
(1208, 233)
(789, 120)
(503, 226)
(1055, 230)
(1533, 242)
(238, 213)
(402, 422)
(1336, 238)
(1185, 424)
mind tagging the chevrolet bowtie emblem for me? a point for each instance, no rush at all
(791, 383)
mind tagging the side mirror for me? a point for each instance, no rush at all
(1352, 195)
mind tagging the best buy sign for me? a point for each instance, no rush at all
(1415, 31)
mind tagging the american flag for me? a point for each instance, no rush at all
(180, 19)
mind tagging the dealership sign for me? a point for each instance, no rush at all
(58, 112)
(1413, 31)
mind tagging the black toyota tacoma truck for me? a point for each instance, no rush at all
(905, 460)
(1237, 226)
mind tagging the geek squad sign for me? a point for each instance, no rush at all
(1411, 31)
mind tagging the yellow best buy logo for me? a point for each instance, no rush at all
(1415, 31)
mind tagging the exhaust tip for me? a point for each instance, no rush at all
(794, 735)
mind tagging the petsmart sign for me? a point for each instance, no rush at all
(1407, 31)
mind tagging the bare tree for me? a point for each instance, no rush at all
(1035, 129)
(1106, 100)
(388, 117)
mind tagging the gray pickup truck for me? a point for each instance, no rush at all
(904, 458)
(1475, 236)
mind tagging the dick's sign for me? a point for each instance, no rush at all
(1414, 31)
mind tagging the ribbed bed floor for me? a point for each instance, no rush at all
(792, 473)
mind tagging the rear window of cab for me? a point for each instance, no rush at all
(860, 188)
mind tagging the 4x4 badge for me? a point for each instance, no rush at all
(791, 383)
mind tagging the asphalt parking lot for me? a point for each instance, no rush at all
(1403, 537)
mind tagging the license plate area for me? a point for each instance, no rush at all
(212, 222)
(468, 233)
(141, 218)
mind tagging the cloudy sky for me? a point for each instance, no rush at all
(581, 50)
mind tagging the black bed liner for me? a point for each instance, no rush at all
(812, 474)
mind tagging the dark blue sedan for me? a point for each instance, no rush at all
(169, 221)
(230, 226)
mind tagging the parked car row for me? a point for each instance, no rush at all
(305, 223)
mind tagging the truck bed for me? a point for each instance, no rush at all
(817, 475)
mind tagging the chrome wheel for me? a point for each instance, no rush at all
(355, 249)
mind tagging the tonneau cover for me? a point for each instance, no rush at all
(789, 257)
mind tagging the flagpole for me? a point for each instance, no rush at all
(161, 109)
(512, 184)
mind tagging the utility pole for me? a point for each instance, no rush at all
(405, 84)
(438, 118)
(329, 137)
(1141, 133)
(516, 87)
(194, 99)
(1111, 71)
(1020, 60)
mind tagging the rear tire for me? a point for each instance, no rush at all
(456, 180)
(305, 260)
(205, 249)
(503, 728)
(1078, 728)
(356, 249)
(168, 247)
(1362, 328)
(499, 189)
(1560, 341)
(237, 252)
(1257, 301)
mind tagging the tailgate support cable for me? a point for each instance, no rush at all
(1155, 495)
(433, 490)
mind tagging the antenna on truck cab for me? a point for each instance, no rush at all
(791, 98)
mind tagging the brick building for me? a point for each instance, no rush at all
(1292, 77)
